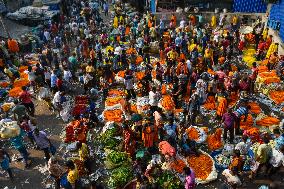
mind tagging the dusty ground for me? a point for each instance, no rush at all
(32, 178)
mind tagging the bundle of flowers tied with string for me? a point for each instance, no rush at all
(197, 134)
(267, 121)
(214, 141)
(167, 103)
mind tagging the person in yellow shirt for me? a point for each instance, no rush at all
(213, 21)
(235, 20)
(121, 20)
(72, 174)
(208, 56)
(265, 33)
(115, 22)
(172, 54)
(90, 69)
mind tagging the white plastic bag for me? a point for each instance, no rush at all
(232, 179)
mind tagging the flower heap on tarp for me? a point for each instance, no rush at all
(277, 97)
(267, 77)
(203, 167)
(248, 56)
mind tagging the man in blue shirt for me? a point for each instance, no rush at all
(242, 110)
(178, 42)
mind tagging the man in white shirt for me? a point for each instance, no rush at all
(57, 102)
(182, 23)
(153, 97)
(276, 160)
(117, 50)
(67, 75)
(87, 32)
(128, 82)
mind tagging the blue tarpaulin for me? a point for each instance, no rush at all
(277, 15)
(250, 6)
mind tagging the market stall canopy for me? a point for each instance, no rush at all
(246, 30)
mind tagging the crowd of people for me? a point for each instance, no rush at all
(187, 66)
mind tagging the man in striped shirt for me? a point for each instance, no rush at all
(242, 110)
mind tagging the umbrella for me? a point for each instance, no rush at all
(246, 30)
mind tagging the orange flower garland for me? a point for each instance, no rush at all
(24, 75)
(22, 68)
(113, 115)
(255, 108)
(277, 96)
(267, 74)
(131, 51)
(133, 108)
(233, 99)
(113, 101)
(272, 80)
(4, 84)
(15, 92)
(167, 103)
(211, 72)
(268, 121)
(115, 92)
(33, 62)
(139, 59)
(262, 69)
(164, 89)
(214, 141)
(178, 165)
(140, 75)
(154, 74)
(21, 82)
(192, 133)
(253, 133)
(210, 103)
(248, 123)
(121, 74)
(201, 166)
